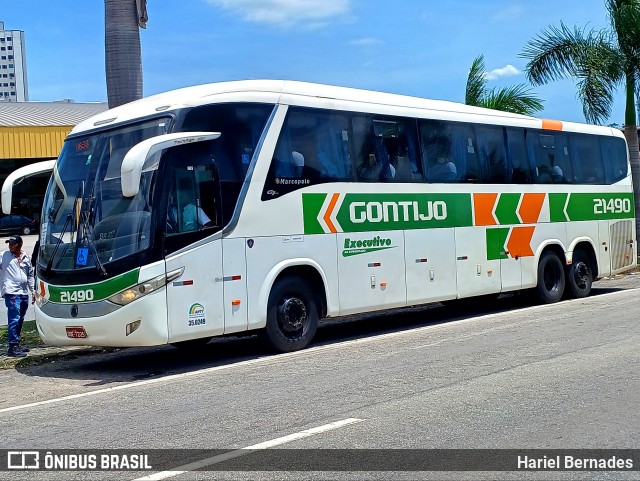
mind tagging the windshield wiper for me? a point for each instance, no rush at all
(87, 236)
(63, 232)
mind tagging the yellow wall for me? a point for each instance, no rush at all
(32, 142)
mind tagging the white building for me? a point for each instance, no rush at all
(13, 66)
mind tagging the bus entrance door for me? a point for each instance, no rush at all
(194, 300)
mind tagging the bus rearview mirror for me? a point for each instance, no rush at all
(135, 159)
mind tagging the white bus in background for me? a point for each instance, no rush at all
(268, 205)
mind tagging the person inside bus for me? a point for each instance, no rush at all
(193, 217)
(443, 170)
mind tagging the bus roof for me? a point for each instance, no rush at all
(320, 96)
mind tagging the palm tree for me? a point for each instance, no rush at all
(517, 99)
(601, 61)
(122, 49)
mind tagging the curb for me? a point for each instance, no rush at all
(48, 354)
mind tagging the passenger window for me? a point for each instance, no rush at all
(314, 147)
(450, 152)
(586, 158)
(491, 152)
(614, 155)
(386, 150)
(519, 166)
(551, 156)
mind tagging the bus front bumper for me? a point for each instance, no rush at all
(140, 323)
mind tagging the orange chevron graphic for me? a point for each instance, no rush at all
(483, 207)
(327, 214)
(530, 207)
(519, 243)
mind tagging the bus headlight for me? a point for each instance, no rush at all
(40, 300)
(136, 292)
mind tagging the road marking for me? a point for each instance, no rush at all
(304, 352)
(249, 449)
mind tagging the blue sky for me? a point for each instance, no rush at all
(413, 47)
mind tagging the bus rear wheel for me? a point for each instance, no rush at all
(551, 278)
(292, 315)
(579, 276)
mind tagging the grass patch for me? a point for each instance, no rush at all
(28, 337)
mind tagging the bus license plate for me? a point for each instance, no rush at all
(76, 332)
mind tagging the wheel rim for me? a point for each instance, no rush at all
(292, 316)
(581, 274)
(551, 277)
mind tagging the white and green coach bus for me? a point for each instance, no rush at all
(268, 205)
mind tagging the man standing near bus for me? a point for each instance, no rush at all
(17, 281)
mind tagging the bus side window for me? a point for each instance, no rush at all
(436, 148)
(375, 163)
(614, 155)
(519, 167)
(551, 156)
(314, 147)
(586, 159)
(465, 154)
(491, 152)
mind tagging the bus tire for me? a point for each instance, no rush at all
(551, 278)
(579, 276)
(292, 315)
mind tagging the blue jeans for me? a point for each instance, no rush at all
(17, 306)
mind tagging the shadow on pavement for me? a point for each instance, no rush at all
(106, 366)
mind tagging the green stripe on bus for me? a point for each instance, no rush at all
(496, 239)
(591, 207)
(99, 290)
(556, 207)
(311, 206)
(385, 212)
(507, 207)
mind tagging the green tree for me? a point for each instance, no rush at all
(123, 57)
(601, 61)
(517, 99)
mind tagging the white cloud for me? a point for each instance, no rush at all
(508, 71)
(509, 14)
(285, 13)
(366, 42)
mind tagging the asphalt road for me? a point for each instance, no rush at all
(504, 376)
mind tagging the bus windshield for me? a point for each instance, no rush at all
(87, 222)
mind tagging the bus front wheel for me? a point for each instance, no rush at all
(292, 315)
(551, 278)
(579, 276)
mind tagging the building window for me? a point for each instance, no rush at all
(12, 84)
(13, 93)
(4, 57)
(10, 65)
(9, 47)
(10, 57)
